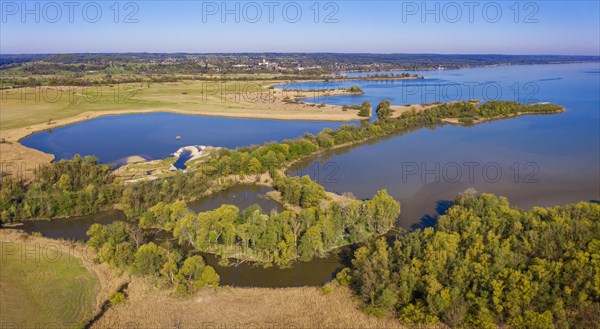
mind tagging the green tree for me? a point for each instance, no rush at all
(365, 109)
(311, 244)
(286, 250)
(383, 211)
(148, 260)
(192, 268)
(325, 140)
(384, 110)
(254, 166)
(170, 267)
(355, 90)
(209, 277)
(486, 264)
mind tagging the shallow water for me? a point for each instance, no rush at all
(73, 228)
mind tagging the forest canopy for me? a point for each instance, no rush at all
(65, 188)
(276, 238)
(125, 246)
(487, 264)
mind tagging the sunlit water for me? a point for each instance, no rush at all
(533, 160)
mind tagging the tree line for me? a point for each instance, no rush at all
(276, 238)
(300, 191)
(486, 264)
(65, 188)
(391, 75)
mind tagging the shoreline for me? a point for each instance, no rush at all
(266, 180)
(455, 121)
(22, 160)
(13, 137)
(17, 134)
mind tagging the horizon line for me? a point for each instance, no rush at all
(293, 52)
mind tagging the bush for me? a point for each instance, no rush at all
(327, 289)
(365, 109)
(355, 90)
(343, 277)
(116, 298)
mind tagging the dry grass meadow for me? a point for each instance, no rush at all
(306, 307)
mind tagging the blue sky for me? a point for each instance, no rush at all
(473, 27)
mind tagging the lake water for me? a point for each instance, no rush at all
(153, 136)
(533, 160)
(565, 84)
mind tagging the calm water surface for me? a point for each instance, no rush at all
(533, 160)
(153, 135)
(73, 228)
(242, 196)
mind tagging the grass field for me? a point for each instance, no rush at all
(306, 307)
(43, 287)
(23, 107)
